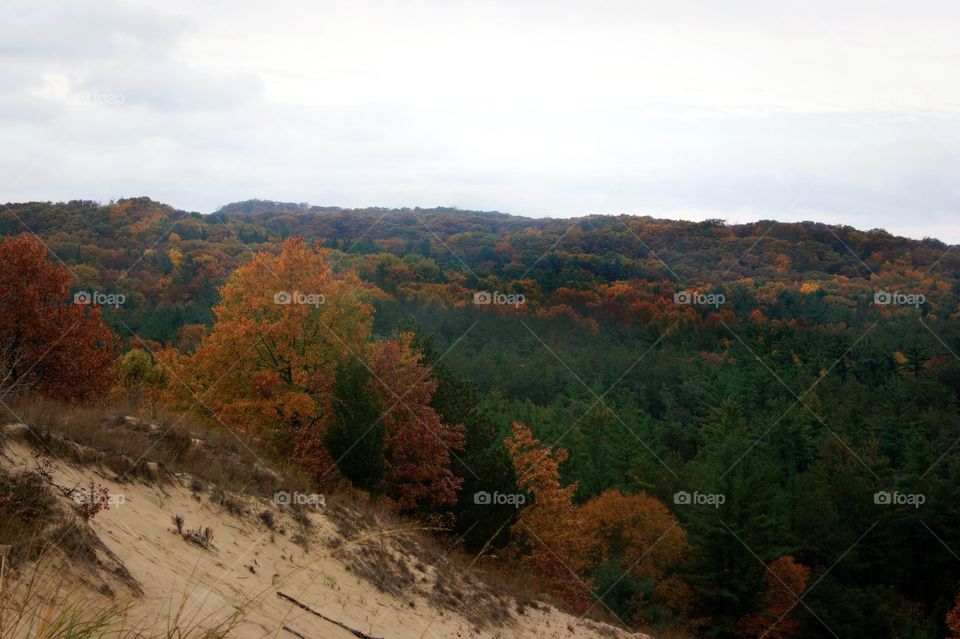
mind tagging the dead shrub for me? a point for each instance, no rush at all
(202, 537)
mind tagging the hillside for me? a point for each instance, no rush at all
(337, 570)
(170, 263)
(691, 429)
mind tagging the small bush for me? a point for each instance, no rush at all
(302, 519)
(89, 502)
(27, 507)
(231, 505)
(301, 541)
(202, 537)
(176, 440)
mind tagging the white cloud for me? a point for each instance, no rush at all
(741, 109)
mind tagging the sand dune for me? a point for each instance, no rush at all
(291, 580)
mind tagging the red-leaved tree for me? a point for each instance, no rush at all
(418, 444)
(785, 581)
(953, 619)
(48, 344)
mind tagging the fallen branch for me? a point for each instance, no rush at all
(300, 604)
(293, 632)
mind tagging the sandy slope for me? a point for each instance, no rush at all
(248, 564)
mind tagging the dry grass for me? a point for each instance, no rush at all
(398, 556)
(37, 604)
(149, 450)
(34, 523)
(406, 558)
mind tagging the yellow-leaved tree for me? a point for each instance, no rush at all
(642, 536)
(549, 532)
(285, 328)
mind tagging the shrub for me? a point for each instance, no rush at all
(26, 508)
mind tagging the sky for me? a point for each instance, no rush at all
(840, 112)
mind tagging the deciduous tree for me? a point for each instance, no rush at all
(47, 343)
(953, 619)
(283, 326)
(550, 531)
(785, 581)
(418, 443)
(640, 534)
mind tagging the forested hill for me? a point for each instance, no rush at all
(784, 396)
(593, 268)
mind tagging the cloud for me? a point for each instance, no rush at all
(681, 109)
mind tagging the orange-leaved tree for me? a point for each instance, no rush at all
(785, 580)
(285, 329)
(283, 324)
(549, 532)
(47, 343)
(640, 534)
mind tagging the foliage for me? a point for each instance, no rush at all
(48, 345)
(418, 444)
(638, 534)
(550, 531)
(291, 356)
(785, 581)
(953, 619)
(799, 399)
(355, 436)
(142, 379)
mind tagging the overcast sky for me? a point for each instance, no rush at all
(843, 112)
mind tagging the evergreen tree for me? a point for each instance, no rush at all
(355, 436)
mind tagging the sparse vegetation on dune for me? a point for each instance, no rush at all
(42, 603)
(398, 557)
(135, 446)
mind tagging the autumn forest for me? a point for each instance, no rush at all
(686, 428)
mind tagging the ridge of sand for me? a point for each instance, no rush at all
(248, 564)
